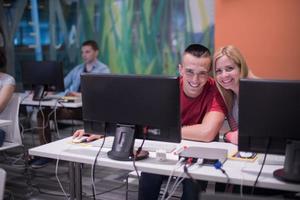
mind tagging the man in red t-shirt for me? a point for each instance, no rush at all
(202, 115)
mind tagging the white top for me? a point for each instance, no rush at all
(6, 79)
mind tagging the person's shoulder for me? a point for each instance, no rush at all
(251, 75)
(8, 79)
(101, 66)
(76, 68)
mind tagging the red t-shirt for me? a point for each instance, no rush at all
(193, 110)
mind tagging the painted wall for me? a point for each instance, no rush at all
(266, 31)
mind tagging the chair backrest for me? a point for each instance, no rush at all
(2, 182)
(11, 112)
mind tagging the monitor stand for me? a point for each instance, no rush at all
(291, 170)
(39, 93)
(123, 145)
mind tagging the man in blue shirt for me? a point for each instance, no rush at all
(89, 53)
(91, 64)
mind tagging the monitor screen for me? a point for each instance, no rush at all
(148, 104)
(269, 122)
(268, 110)
(42, 76)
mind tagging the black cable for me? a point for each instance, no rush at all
(262, 165)
(49, 193)
(138, 152)
(94, 166)
(218, 165)
(186, 171)
(110, 190)
(25, 97)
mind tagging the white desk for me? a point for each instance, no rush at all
(236, 170)
(27, 101)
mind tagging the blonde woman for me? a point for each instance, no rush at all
(229, 66)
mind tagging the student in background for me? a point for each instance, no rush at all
(91, 64)
(7, 88)
(229, 66)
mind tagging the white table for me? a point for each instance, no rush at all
(26, 100)
(238, 171)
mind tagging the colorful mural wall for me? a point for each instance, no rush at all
(135, 36)
(147, 37)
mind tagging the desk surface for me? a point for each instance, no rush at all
(27, 101)
(236, 170)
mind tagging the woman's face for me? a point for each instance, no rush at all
(227, 74)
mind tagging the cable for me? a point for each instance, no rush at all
(262, 165)
(110, 190)
(170, 176)
(218, 165)
(178, 180)
(25, 97)
(93, 167)
(185, 169)
(145, 131)
(242, 181)
(56, 173)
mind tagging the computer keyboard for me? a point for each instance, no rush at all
(149, 145)
(271, 159)
(153, 146)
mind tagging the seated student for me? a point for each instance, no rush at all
(202, 115)
(91, 64)
(229, 66)
(7, 88)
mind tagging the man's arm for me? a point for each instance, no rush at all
(207, 130)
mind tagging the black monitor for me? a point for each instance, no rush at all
(42, 76)
(269, 121)
(129, 107)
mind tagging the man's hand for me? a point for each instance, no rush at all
(91, 137)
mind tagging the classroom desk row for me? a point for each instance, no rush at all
(239, 172)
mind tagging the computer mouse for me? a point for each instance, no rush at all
(80, 139)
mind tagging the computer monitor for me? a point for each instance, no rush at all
(269, 121)
(42, 76)
(129, 107)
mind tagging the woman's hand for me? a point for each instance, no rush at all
(232, 137)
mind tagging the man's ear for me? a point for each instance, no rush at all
(180, 69)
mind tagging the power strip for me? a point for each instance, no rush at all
(206, 153)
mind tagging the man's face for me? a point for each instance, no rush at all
(194, 72)
(88, 54)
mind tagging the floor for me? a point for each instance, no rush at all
(36, 184)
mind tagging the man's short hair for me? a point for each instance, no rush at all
(91, 43)
(197, 50)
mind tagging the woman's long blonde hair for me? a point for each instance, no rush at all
(235, 55)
